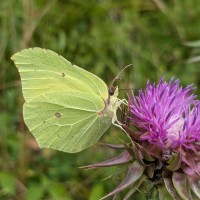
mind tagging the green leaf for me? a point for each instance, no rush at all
(8, 182)
(193, 59)
(35, 192)
(97, 192)
(192, 43)
(57, 191)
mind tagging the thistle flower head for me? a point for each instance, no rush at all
(163, 122)
(166, 115)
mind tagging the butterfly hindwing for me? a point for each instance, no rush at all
(68, 122)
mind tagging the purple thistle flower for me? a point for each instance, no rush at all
(168, 119)
(165, 149)
(167, 115)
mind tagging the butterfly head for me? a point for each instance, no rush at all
(113, 90)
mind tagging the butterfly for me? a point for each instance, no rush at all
(66, 107)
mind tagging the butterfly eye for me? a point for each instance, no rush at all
(111, 90)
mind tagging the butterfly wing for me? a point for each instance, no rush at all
(63, 102)
(66, 121)
(44, 71)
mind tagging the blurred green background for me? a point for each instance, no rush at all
(161, 38)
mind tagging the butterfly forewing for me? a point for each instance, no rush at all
(44, 71)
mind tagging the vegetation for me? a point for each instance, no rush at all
(161, 38)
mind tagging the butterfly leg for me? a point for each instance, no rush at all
(123, 101)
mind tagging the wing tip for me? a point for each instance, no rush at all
(19, 53)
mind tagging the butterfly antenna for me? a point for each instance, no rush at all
(111, 89)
